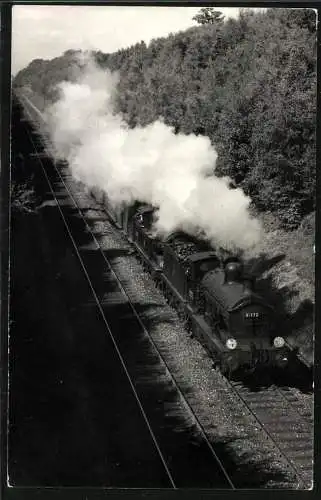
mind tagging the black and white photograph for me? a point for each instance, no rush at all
(162, 247)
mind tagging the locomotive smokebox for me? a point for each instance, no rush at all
(249, 282)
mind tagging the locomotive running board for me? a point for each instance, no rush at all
(206, 329)
(148, 261)
(174, 291)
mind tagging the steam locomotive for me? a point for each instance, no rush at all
(212, 294)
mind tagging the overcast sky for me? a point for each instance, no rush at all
(46, 31)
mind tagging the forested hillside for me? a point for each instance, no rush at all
(248, 84)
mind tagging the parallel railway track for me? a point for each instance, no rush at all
(274, 409)
(285, 420)
(287, 423)
(292, 432)
(188, 457)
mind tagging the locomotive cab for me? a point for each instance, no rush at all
(201, 263)
(198, 265)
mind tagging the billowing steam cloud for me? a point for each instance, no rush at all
(150, 164)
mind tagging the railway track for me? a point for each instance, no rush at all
(303, 409)
(290, 429)
(187, 456)
(274, 409)
(287, 423)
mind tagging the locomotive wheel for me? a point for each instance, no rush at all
(181, 313)
(249, 370)
(225, 368)
(216, 364)
(188, 326)
(215, 357)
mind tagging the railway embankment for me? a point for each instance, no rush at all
(285, 261)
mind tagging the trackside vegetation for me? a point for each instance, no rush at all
(249, 84)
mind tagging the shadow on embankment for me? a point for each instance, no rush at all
(297, 328)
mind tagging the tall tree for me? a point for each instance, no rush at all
(208, 15)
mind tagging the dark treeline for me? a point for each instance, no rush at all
(248, 84)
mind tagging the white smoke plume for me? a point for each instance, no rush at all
(173, 172)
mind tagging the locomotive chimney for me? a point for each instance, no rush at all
(233, 271)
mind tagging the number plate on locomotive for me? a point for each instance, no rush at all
(252, 315)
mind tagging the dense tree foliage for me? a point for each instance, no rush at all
(249, 84)
(42, 76)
